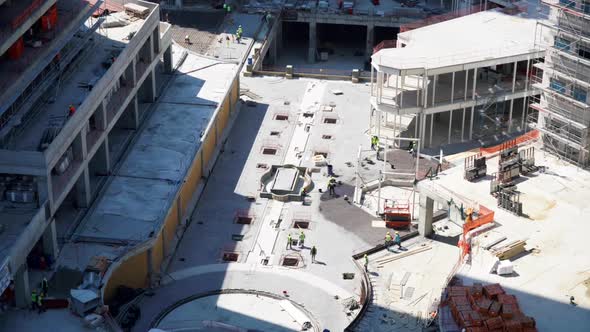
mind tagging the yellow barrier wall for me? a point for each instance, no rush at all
(133, 272)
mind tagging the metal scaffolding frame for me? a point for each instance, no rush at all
(563, 110)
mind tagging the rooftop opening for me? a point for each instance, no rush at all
(326, 136)
(281, 117)
(330, 120)
(262, 166)
(230, 257)
(290, 261)
(301, 224)
(244, 220)
(275, 133)
(321, 153)
(269, 151)
(237, 237)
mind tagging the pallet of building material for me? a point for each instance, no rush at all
(388, 259)
(510, 251)
(492, 291)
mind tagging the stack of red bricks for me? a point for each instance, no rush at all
(487, 308)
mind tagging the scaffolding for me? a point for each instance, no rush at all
(561, 112)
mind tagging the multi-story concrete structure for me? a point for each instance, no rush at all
(69, 105)
(564, 77)
(459, 80)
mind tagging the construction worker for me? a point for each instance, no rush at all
(187, 40)
(228, 9)
(289, 242)
(388, 239)
(71, 110)
(301, 239)
(225, 8)
(314, 252)
(411, 147)
(34, 299)
(397, 240)
(374, 143)
(40, 304)
(366, 263)
(332, 186)
(44, 286)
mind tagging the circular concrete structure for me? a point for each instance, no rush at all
(235, 310)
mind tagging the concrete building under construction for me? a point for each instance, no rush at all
(445, 85)
(564, 76)
(75, 87)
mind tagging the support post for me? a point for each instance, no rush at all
(473, 107)
(512, 100)
(426, 213)
(168, 60)
(312, 42)
(450, 125)
(370, 40)
(22, 290)
(50, 246)
(82, 190)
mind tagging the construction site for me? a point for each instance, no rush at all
(280, 165)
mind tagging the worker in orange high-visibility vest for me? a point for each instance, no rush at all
(72, 110)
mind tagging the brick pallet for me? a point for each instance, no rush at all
(486, 308)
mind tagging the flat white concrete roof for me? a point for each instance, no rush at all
(152, 170)
(469, 39)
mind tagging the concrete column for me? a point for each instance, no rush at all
(83, 190)
(21, 287)
(134, 71)
(450, 125)
(279, 36)
(312, 42)
(100, 117)
(472, 107)
(168, 60)
(426, 212)
(130, 117)
(273, 52)
(370, 40)
(43, 191)
(50, 246)
(102, 159)
(79, 145)
(512, 100)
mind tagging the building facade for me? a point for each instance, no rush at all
(81, 92)
(564, 77)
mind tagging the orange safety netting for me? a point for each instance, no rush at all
(484, 216)
(531, 135)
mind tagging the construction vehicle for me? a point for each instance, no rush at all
(397, 215)
(475, 167)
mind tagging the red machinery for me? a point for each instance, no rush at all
(397, 215)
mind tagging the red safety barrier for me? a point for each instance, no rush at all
(49, 19)
(16, 50)
(531, 135)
